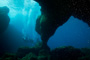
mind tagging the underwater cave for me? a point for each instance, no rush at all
(31, 23)
(21, 30)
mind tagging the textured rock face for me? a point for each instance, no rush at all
(56, 12)
(4, 19)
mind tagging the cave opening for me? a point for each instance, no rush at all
(21, 29)
(74, 33)
(23, 15)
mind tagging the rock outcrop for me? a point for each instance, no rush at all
(56, 12)
(4, 18)
(60, 53)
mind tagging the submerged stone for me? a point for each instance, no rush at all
(4, 18)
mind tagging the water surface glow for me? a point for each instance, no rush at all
(23, 15)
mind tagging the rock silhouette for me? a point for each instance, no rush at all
(56, 12)
(4, 18)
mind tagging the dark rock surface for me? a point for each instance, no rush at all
(4, 18)
(66, 53)
(56, 12)
(60, 53)
(21, 52)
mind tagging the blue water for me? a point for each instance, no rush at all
(74, 32)
(21, 31)
(23, 14)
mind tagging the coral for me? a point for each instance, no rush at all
(4, 19)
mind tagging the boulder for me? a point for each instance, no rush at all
(4, 18)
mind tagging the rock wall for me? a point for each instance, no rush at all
(56, 12)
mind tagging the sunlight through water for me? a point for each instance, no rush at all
(23, 15)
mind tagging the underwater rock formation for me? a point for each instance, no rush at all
(56, 12)
(66, 53)
(61, 53)
(9, 56)
(30, 56)
(25, 50)
(4, 18)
